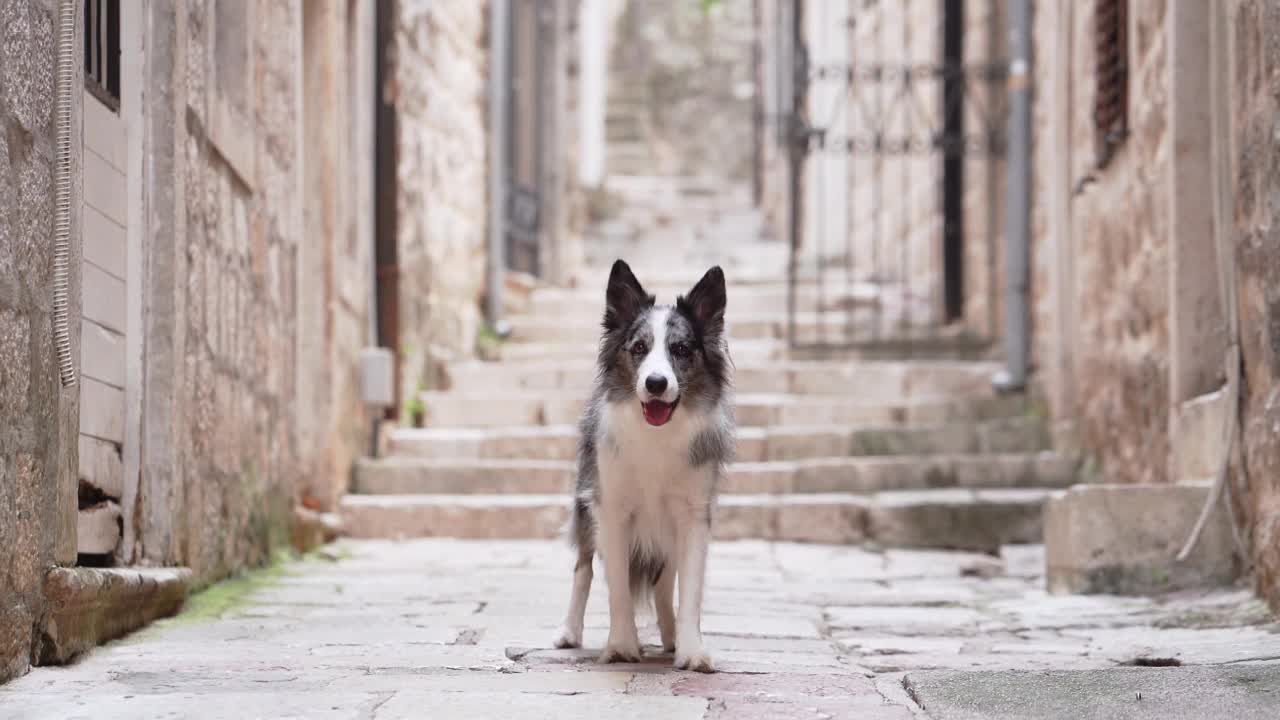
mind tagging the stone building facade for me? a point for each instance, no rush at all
(687, 70)
(442, 75)
(219, 282)
(1145, 251)
(1153, 205)
(38, 448)
(224, 278)
(440, 85)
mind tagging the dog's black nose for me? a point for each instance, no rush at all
(655, 384)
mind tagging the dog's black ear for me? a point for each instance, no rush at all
(704, 304)
(625, 298)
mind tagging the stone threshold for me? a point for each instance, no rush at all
(90, 606)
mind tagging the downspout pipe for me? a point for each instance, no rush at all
(66, 68)
(498, 69)
(1013, 378)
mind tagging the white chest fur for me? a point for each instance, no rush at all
(646, 478)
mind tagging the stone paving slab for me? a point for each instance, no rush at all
(462, 629)
(1199, 693)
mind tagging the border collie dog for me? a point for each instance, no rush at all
(655, 438)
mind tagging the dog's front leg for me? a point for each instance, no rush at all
(663, 600)
(624, 641)
(690, 654)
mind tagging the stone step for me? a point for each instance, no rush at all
(873, 381)
(861, 475)
(976, 520)
(747, 351)
(560, 442)
(487, 408)
(834, 326)
(768, 297)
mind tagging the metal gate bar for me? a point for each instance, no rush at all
(888, 107)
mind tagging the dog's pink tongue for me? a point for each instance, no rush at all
(657, 412)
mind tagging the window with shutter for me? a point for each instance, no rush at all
(1111, 99)
(102, 50)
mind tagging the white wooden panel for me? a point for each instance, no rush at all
(101, 410)
(100, 466)
(104, 132)
(98, 529)
(104, 242)
(101, 354)
(103, 298)
(104, 188)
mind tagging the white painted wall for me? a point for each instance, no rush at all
(104, 318)
(111, 272)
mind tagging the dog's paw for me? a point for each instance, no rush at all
(695, 661)
(569, 639)
(620, 653)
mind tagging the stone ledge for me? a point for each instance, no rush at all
(1123, 539)
(89, 606)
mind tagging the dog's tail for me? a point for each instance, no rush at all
(645, 571)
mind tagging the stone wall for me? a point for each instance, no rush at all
(441, 85)
(256, 285)
(221, 469)
(38, 450)
(1117, 226)
(692, 73)
(335, 257)
(1254, 82)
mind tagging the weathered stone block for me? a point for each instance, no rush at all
(89, 606)
(15, 364)
(1198, 438)
(1123, 538)
(957, 519)
(98, 529)
(28, 61)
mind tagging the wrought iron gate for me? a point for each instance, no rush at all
(895, 163)
(529, 35)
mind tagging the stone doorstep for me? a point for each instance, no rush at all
(972, 520)
(1123, 539)
(89, 606)
(416, 475)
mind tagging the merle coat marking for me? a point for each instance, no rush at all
(655, 438)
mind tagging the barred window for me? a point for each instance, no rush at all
(102, 50)
(1111, 99)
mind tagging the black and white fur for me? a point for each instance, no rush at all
(646, 485)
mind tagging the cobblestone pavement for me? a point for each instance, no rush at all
(456, 629)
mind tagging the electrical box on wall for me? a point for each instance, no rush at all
(377, 377)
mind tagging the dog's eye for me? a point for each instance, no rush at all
(639, 349)
(681, 351)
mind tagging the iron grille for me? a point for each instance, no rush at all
(1111, 99)
(898, 130)
(102, 50)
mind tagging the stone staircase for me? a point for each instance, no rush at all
(864, 448)
(909, 453)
